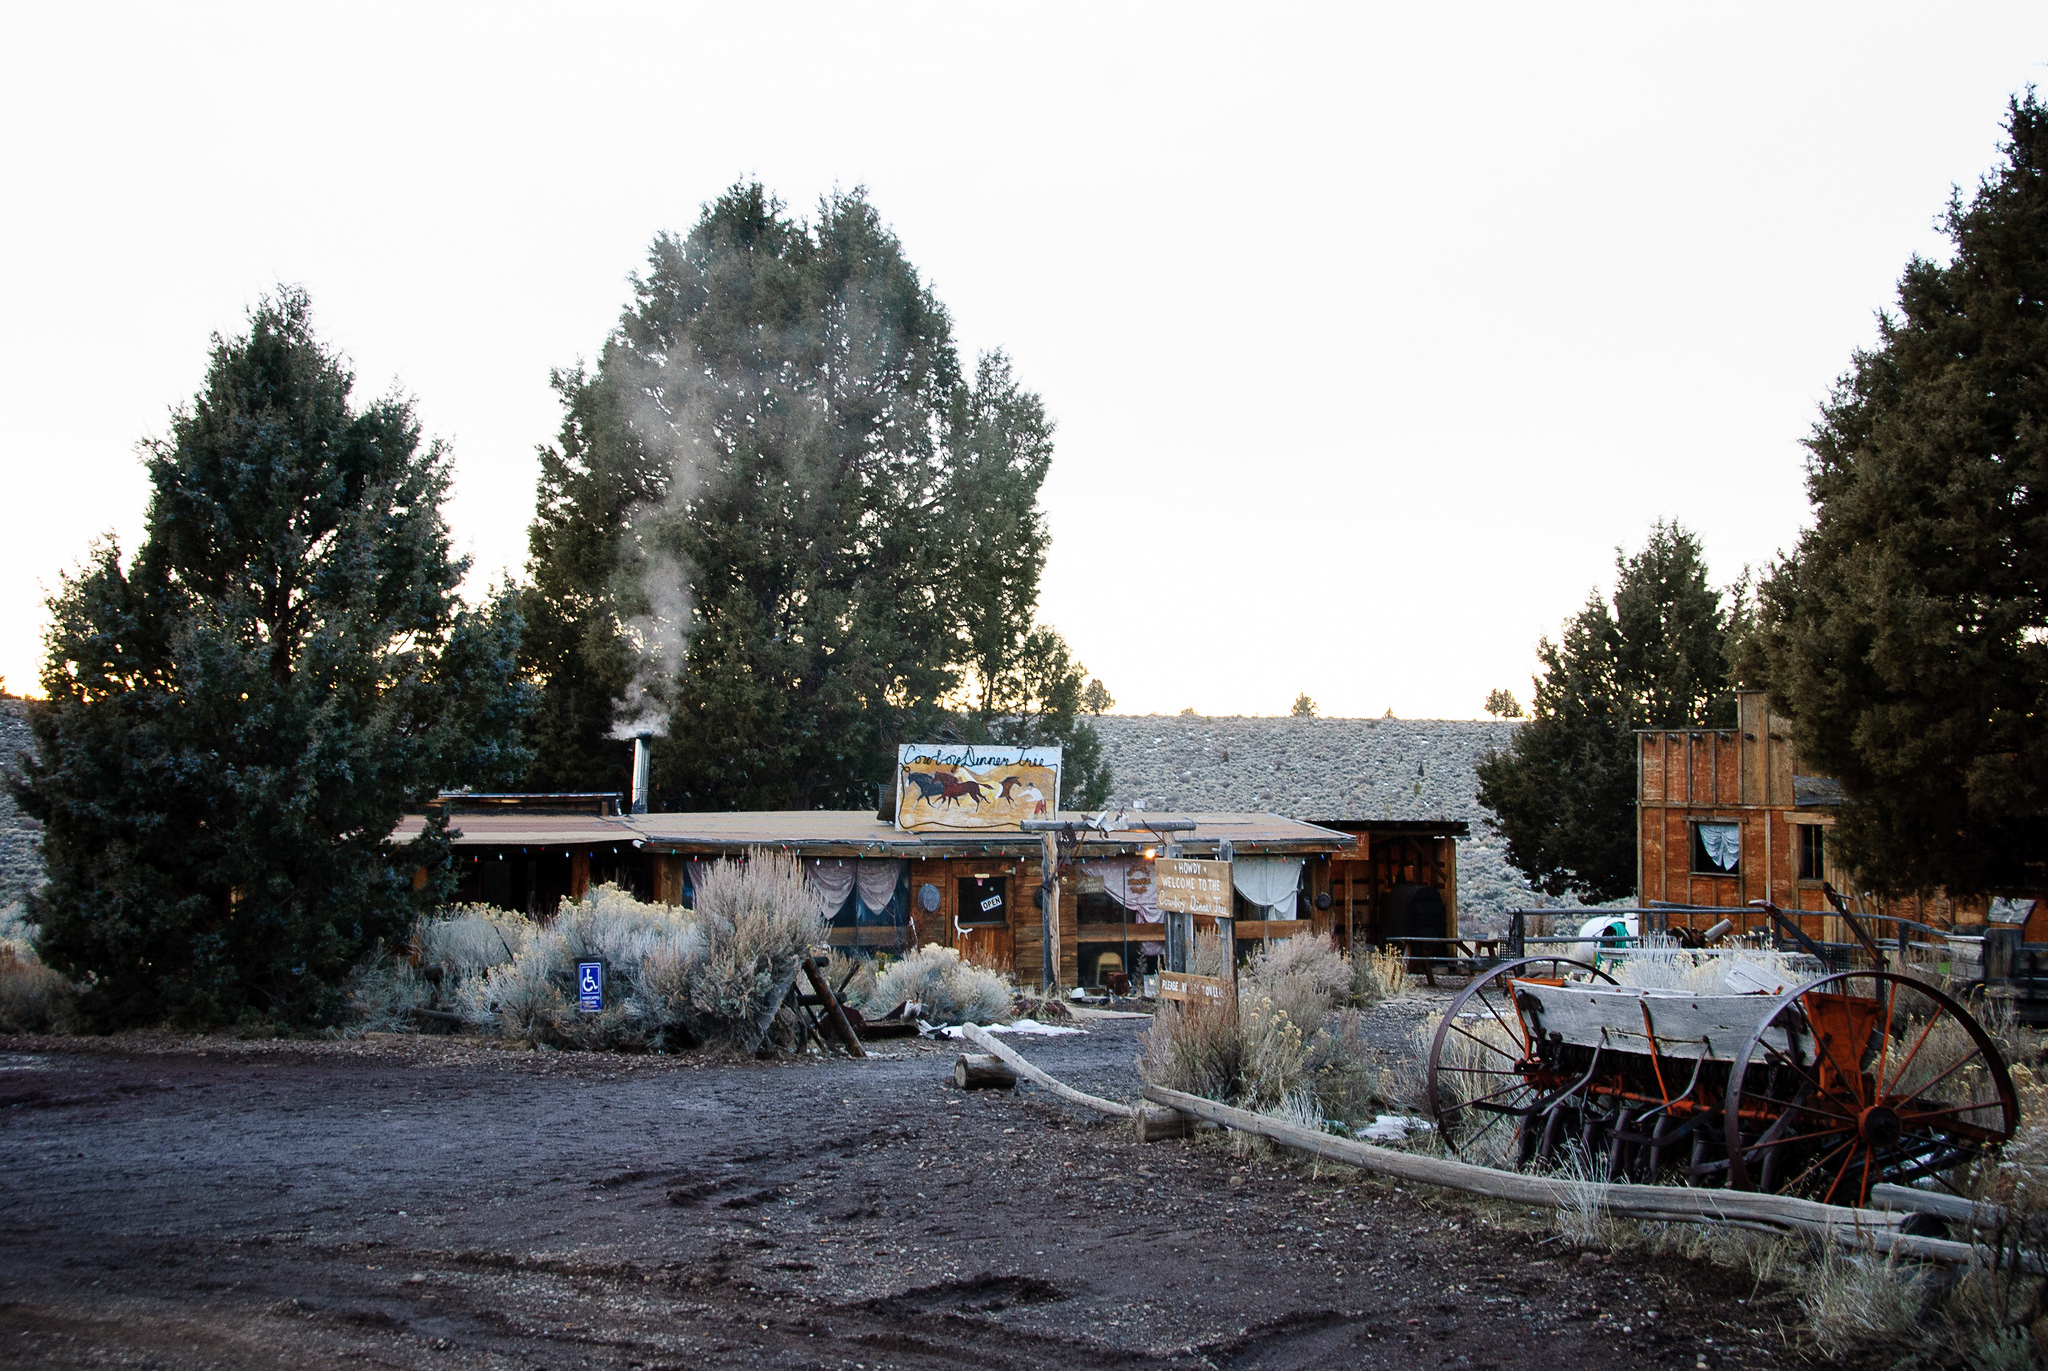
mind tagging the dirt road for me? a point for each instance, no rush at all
(449, 1203)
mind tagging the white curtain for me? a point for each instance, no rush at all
(877, 879)
(1128, 881)
(1269, 882)
(834, 877)
(1723, 843)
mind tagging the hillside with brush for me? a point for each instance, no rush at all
(1313, 768)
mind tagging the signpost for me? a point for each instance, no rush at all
(1179, 985)
(590, 987)
(1192, 887)
(1191, 890)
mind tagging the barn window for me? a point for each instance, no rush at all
(1716, 849)
(1812, 853)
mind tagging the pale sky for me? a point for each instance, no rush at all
(1370, 331)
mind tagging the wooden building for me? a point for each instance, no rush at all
(1398, 879)
(1728, 816)
(976, 891)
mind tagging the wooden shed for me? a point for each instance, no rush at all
(1371, 884)
(977, 891)
(1726, 816)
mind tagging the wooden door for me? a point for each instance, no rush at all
(988, 945)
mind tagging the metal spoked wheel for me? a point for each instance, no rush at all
(1487, 1075)
(1862, 1077)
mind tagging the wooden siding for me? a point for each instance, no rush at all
(1744, 776)
(1355, 881)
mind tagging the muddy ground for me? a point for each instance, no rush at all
(449, 1203)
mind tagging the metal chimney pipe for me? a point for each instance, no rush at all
(640, 751)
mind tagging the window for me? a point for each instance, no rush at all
(1716, 849)
(982, 900)
(1812, 853)
(1096, 907)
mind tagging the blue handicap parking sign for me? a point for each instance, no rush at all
(590, 987)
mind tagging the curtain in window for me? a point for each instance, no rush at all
(693, 880)
(1723, 844)
(880, 881)
(1269, 882)
(1128, 881)
(833, 876)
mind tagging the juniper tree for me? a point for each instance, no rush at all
(826, 534)
(237, 716)
(574, 648)
(1562, 793)
(1907, 634)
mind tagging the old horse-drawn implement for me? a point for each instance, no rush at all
(1821, 1088)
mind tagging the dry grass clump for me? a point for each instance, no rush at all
(380, 995)
(1377, 974)
(1855, 1301)
(1583, 1219)
(1705, 971)
(853, 978)
(943, 988)
(1194, 1047)
(1207, 957)
(33, 997)
(758, 920)
(1304, 978)
(1280, 1045)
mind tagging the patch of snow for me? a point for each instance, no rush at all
(1392, 1128)
(1027, 1026)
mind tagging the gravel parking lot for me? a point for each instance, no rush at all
(447, 1202)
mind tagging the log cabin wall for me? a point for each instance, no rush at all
(1017, 945)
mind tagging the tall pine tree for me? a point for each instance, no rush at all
(1563, 791)
(238, 716)
(824, 538)
(1907, 634)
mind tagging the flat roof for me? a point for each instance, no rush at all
(523, 828)
(835, 832)
(1426, 828)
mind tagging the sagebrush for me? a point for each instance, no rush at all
(942, 988)
(676, 977)
(1286, 1041)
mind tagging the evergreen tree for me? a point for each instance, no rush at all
(237, 717)
(1907, 634)
(1563, 792)
(575, 649)
(825, 536)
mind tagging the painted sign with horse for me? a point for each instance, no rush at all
(969, 786)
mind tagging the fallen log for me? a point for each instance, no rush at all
(983, 1071)
(1872, 1228)
(1152, 1124)
(1954, 1208)
(986, 1041)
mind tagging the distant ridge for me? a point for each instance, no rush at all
(1314, 768)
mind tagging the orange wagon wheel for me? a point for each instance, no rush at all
(1483, 1071)
(1861, 1077)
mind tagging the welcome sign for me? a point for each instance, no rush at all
(968, 786)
